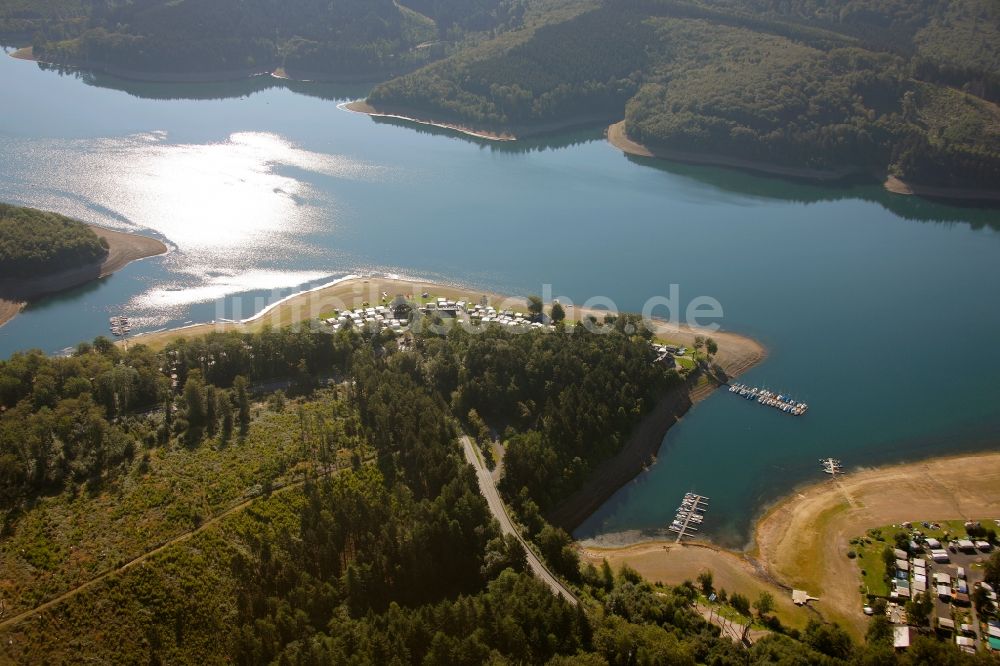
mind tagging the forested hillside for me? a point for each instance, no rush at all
(953, 41)
(296, 497)
(873, 86)
(35, 242)
(345, 39)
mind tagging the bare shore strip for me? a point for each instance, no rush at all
(123, 249)
(619, 139)
(513, 133)
(898, 186)
(361, 106)
(801, 542)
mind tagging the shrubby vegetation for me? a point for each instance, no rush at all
(35, 242)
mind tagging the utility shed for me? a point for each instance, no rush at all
(901, 638)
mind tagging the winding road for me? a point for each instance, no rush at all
(486, 487)
(499, 511)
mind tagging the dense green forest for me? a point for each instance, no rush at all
(344, 39)
(316, 509)
(35, 242)
(872, 86)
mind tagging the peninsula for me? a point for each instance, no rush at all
(227, 466)
(44, 253)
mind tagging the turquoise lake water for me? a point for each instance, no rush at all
(880, 311)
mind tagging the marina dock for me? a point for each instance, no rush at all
(832, 466)
(690, 514)
(780, 401)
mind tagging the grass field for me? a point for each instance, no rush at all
(871, 564)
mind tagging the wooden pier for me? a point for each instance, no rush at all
(689, 514)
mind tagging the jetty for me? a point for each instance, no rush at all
(780, 401)
(832, 466)
(120, 326)
(690, 514)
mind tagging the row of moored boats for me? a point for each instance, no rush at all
(690, 514)
(119, 325)
(832, 466)
(784, 403)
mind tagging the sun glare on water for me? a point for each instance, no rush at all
(235, 210)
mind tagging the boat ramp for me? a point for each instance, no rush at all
(689, 515)
(779, 401)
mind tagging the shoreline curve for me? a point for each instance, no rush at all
(801, 540)
(123, 249)
(512, 133)
(220, 76)
(618, 138)
(737, 354)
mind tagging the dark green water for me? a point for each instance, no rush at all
(880, 311)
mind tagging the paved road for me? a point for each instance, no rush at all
(489, 491)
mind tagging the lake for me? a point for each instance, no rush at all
(879, 310)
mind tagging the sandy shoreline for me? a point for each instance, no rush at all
(672, 563)
(802, 540)
(736, 352)
(513, 133)
(123, 249)
(361, 106)
(898, 186)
